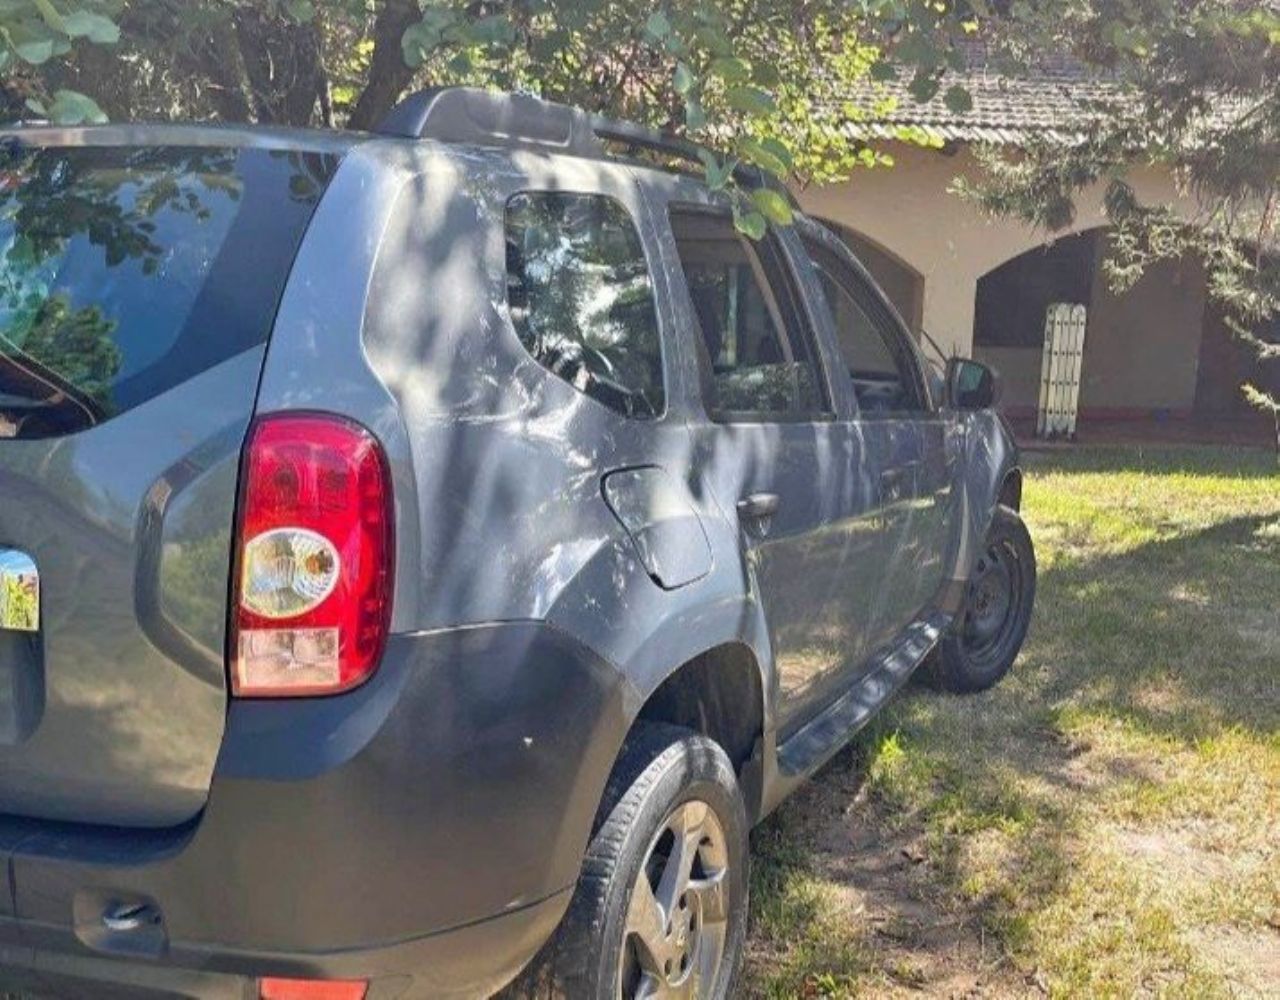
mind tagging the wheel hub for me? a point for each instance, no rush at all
(677, 919)
(990, 602)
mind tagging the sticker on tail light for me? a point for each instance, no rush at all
(314, 550)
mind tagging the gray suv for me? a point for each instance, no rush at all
(425, 554)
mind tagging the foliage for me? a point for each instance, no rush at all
(1193, 86)
(762, 82)
(33, 32)
(19, 604)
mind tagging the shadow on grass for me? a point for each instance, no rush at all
(1175, 642)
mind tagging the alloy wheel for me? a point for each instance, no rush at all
(678, 917)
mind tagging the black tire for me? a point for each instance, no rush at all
(987, 635)
(660, 770)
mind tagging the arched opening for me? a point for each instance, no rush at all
(1226, 363)
(1141, 348)
(901, 282)
(1010, 304)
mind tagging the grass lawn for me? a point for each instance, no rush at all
(1107, 821)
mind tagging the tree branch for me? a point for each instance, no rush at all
(388, 73)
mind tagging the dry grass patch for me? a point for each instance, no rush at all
(1107, 821)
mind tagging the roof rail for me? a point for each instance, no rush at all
(485, 117)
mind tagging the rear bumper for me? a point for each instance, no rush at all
(470, 961)
(423, 830)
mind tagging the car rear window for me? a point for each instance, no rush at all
(125, 271)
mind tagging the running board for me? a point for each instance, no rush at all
(811, 745)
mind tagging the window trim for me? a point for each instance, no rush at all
(776, 312)
(646, 251)
(897, 339)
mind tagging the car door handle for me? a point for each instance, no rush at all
(758, 506)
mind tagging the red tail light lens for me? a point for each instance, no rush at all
(313, 558)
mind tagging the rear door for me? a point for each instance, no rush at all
(138, 286)
(770, 450)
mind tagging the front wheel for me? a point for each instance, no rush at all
(661, 906)
(987, 636)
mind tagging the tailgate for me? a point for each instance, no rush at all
(138, 285)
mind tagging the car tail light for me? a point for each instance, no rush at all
(314, 550)
(312, 989)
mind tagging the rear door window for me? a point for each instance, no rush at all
(762, 360)
(581, 298)
(125, 271)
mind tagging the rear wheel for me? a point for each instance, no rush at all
(661, 906)
(987, 636)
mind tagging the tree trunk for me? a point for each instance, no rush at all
(283, 63)
(388, 74)
(219, 61)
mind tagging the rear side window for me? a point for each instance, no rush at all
(762, 360)
(125, 271)
(581, 298)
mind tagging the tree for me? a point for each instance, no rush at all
(1192, 86)
(1195, 87)
(764, 82)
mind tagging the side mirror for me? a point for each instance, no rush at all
(971, 385)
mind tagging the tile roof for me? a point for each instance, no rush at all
(1050, 101)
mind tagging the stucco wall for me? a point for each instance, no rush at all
(1142, 348)
(1019, 369)
(908, 210)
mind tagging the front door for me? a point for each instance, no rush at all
(903, 440)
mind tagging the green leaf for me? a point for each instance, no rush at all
(958, 100)
(70, 107)
(766, 74)
(421, 40)
(37, 51)
(773, 205)
(684, 80)
(731, 70)
(884, 71)
(300, 11)
(495, 29)
(714, 40)
(658, 26)
(750, 101)
(717, 173)
(95, 27)
(768, 154)
(750, 224)
(924, 87)
(695, 115)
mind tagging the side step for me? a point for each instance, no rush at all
(811, 745)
